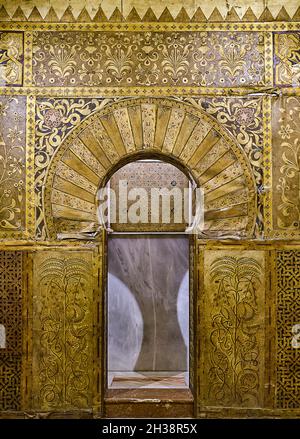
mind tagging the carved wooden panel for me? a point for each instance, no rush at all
(63, 286)
(287, 57)
(231, 313)
(11, 58)
(288, 315)
(148, 59)
(12, 164)
(11, 319)
(10, 382)
(286, 168)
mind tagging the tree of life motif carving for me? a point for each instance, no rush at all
(62, 335)
(288, 315)
(234, 349)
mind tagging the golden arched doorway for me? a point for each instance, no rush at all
(142, 127)
(132, 129)
(148, 292)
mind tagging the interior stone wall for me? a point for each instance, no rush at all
(215, 90)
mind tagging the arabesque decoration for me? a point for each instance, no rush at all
(287, 58)
(55, 118)
(11, 58)
(243, 118)
(234, 307)
(286, 166)
(63, 330)
(12, 164)
(150, 126)
(209, 59)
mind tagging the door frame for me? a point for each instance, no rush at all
(112, 406)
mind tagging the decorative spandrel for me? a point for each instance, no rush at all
(55, 118)
(96, 68)
(243, 118)
(62, 330)
(233, 340)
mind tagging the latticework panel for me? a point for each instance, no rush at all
(11, 319)
(288, 315)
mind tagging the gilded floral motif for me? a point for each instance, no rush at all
(12, 163)
(63, 330)
(148, 58)
(238, 56)
(242, 117)
(55, 118)
(11, 58)
(287, 58)
(286, 163)
(234, 294)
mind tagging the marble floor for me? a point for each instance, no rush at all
(148, 380)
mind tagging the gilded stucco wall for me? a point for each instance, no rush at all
(215, 91)
(150, 10)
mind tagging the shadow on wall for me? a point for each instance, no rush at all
(148, 304)
(183, 312)
(125, 326)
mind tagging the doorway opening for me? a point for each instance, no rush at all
(149, 286)
(148, 311)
